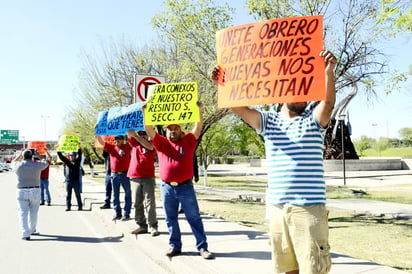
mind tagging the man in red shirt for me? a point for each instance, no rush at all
(142, 175)
(175, 153)
(44, 182)
(119, 164)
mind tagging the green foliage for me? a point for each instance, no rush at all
(406, 134)
(381, 145)
(396, 15)
(227, 137)
(363, 144)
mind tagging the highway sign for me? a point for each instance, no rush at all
(8, 137)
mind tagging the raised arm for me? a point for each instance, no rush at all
(18, 157)
(197, 128)
(149, 128)
(132, 134)
(323, 111)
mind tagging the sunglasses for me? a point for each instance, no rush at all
(142, 133)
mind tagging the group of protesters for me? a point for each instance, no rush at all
(296, 187)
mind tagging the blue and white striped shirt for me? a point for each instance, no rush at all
(294, 155)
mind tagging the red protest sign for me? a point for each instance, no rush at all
(274, 61)
(40, 146)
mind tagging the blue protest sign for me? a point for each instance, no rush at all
(118, 120)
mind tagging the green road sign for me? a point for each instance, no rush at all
(8, 137)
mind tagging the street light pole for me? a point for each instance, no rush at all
(44, 119)
(374, 130)
(341, 121)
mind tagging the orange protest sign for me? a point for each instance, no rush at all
(40, 146)
(273, 61)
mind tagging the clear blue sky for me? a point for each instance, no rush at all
(41, 44)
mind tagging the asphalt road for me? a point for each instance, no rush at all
(69, 242)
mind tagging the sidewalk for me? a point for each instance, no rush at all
(238, 249)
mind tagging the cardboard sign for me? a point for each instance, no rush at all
(274, 61)
(118, 120)
(101, 124)
(68, 143)
(173, 103)
(40, 146)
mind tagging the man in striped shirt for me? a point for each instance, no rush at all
(296, 187)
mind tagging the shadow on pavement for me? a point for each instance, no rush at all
(62, 238)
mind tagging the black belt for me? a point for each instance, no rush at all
(29, 187)
(177, 184)
(122, 172)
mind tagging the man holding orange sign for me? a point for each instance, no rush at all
(294, 151)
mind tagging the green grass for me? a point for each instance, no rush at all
(236, 182)
(382, 240)
(390, 152)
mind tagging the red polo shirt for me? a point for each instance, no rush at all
(119, 161)
(175, 158)
(142, 161)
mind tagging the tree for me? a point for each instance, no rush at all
(187, 53)
(382, 144)
(363, 144)
(406, 135)
(190, 27)
(217, 142)
(351, 33)
(105, 81)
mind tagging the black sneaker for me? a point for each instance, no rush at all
(126, 218)
(117, 217)
(26, 238)
(105, 207)
(172, 252)
(68, 209)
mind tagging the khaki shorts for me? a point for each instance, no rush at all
(299, 238)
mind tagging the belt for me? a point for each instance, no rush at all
(177, 184)
(28, 187)
(122, 172)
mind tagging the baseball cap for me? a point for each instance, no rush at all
(172, 125)
(72, 153)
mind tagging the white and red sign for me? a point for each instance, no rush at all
(142, 84)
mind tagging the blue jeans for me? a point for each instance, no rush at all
(108, 188)
(44, 188)
(28, 203)
(185, 194)
(70, 186)
(123, 180)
